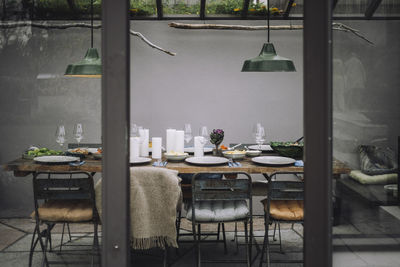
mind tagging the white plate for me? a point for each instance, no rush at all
(273, 160)
(191, 149)
(253, 153)
(265, 148)
(208, 160)
(92, 150)
(173, 157)
(235, 155)
(139, 160)
(56, 159)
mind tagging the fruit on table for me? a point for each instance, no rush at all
(37, 152)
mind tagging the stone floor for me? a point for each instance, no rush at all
(351, 247)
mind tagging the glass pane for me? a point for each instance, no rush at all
(366, 129)
(351, 7)
(35, 99)
(224, 7)
(277, 8)
(181, 7)
(388, 8)
(143, 8)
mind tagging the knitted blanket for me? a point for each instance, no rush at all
(154, 196)
(363, 178)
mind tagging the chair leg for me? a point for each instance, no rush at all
(224, 238)
(96, 240)
(62, 237)
(280, 239)
(178, 228)
(197, 243)
(218, 231)
(33, 244)
(265, 240)
(165, 258)
(273, 237)
(246, 239)
(69, 232)
(44, 246)
(236, 239)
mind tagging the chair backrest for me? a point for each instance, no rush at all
(63, 186)
(221, 189)
(285, 189)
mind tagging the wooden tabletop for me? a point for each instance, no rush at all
(23, 167)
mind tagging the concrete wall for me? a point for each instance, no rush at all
(202, 85)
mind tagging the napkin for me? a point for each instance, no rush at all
(234, 164)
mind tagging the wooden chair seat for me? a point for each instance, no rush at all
(65, 211)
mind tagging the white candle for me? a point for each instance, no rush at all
(144, 147)
(134, 144)
(198, 146)
(171, 139)
(179, 141)
(156, 147)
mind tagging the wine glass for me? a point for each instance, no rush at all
(78, 132)
(204, 133)
(188, 132)
(60, 135)
(260, 136)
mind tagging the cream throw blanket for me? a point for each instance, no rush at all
(155, 194)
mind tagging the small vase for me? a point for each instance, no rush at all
(217, 151)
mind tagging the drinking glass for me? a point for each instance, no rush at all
(60, 135)
(188, 132)
(78, 132)
(260, 136)
(205, 134)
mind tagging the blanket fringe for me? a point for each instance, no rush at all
(153, 242)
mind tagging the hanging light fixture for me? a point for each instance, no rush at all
(90, 66)
(268, 60)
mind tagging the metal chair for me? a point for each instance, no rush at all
(221, 201)
(62, 197)
(284, 203)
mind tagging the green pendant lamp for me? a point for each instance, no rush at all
(268, 60)
(90, 66)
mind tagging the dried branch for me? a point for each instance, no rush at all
(335, 26)
(15, 24)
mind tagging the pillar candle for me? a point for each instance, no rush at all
(170, 139)
(144, 147)
(156, 147)
(134, 144)
(179, 141)
(198, 146)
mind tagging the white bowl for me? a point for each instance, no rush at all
(176, 157)
(253, 153)
(236, 155)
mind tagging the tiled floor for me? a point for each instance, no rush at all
(352, 248)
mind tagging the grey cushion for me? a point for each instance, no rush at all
(219, 210)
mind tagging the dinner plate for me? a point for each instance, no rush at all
(264, 148)
(55, 159)
(140, 160)
(208, 160)
(174, 157)
(273, 160)
(191, 149)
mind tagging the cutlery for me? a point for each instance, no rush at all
(246, 148)
(232, 148)
(76, 164)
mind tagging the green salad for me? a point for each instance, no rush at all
(37, 152)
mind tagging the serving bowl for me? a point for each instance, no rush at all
(234, 154)
(175, 156)
(253, 153)
(288, 149)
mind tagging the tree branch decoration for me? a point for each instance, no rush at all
(335, 26)
(61, 26)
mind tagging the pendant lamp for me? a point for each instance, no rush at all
(90, 65)
(268, 60)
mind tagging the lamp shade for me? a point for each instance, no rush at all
(268, 61)
(89, 67)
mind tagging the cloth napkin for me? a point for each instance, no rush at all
(234, 164)
(160, 164)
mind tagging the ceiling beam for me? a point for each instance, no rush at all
(288, 8)
(371, 8)
(160, 14)
(203, 9)
(245, 8)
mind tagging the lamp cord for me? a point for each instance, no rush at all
(91, 23)
(268, 17)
